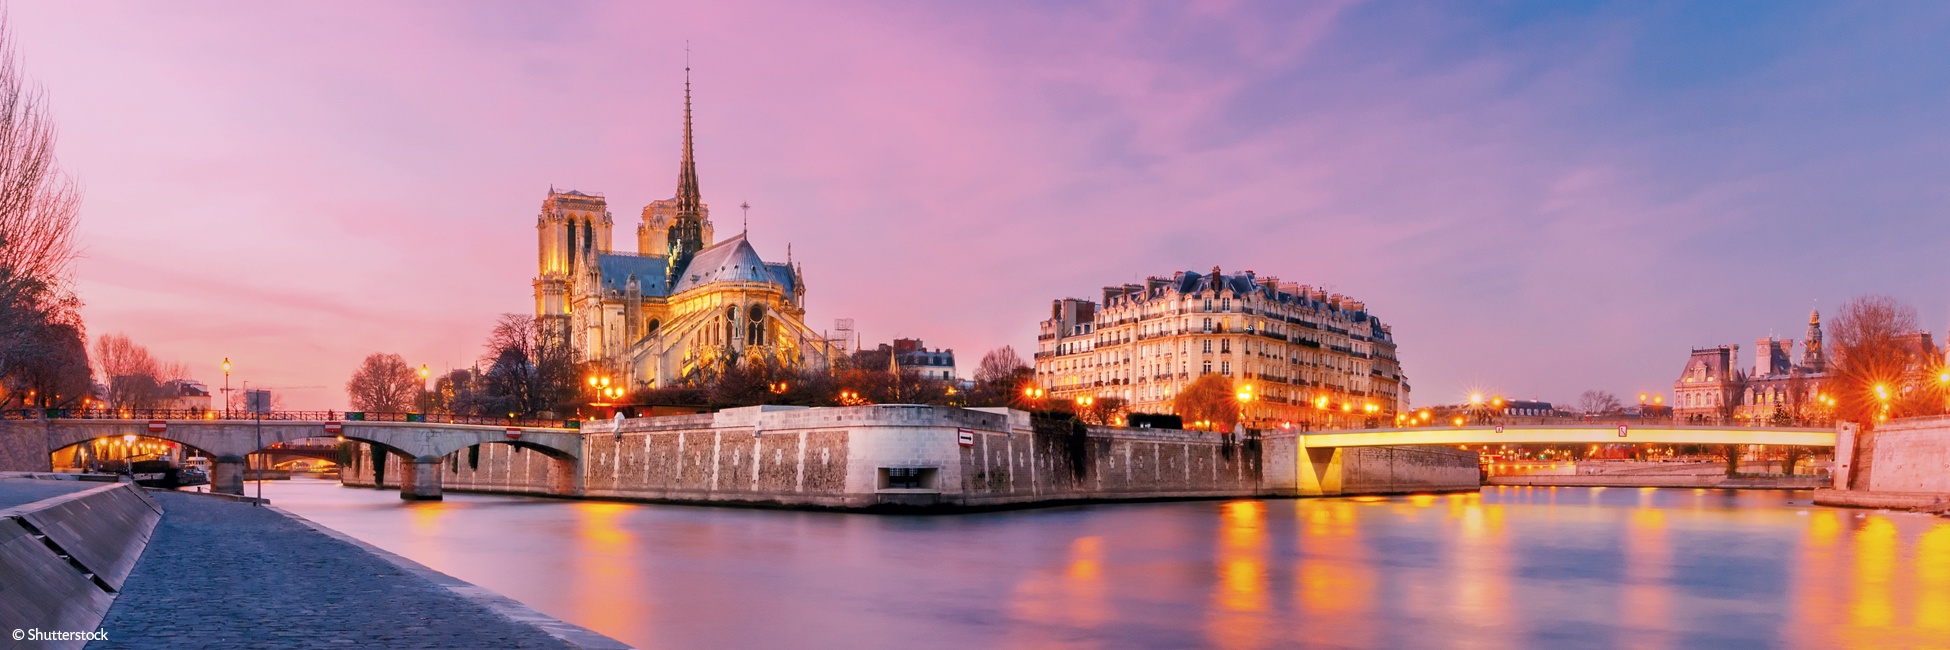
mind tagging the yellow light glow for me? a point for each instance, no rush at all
(1475, 398)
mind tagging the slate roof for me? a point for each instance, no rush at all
(733, 260)
(617, 269)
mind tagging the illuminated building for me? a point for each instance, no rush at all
(680, 306)
(1306, 357)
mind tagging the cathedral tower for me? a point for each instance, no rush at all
(686, 236)
(1811, 350)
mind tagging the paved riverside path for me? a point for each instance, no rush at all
(22, 491)
(221, 574)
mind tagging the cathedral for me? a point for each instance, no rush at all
(682, 305)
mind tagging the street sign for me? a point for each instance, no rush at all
(514, 433)
(158, 426)
(257, 401)
(334, 427)
(1621, 430)
(965, 437)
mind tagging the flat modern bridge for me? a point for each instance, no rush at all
(421, 446)
(1319, 461)
(1596, 434)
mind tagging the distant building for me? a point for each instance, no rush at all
(184, 395)
(1714, 387)
(1309, 358)
(682, 304)
(910, 354)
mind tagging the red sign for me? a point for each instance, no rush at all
(158, 426)
(514, 433)
(333, 428)
(965, 437)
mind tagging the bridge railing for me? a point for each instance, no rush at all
(281, 416)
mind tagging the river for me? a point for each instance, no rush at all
(1510, 567)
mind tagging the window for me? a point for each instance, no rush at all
(1225, 304)
(1208, 327)
(1225, 346)
(1208, 345)
(1206, 369)
(907, 478)
(1208, 304)
(1225, 368)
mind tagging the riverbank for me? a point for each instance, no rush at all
(910, 458)
(221, 574)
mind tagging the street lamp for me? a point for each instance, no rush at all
(226, 388)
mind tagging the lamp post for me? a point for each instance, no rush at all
(425, 403)
(226, 388)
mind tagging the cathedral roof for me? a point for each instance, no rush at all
(732, 260)
(617, 269)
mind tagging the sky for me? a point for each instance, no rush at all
(1539, 198)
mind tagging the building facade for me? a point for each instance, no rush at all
(1776, 389)
(681, 305)
(1308, 358)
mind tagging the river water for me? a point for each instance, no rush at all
(1509, 567)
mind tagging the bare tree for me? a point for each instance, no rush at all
(40, 328)
(384, 383)
(134, 378)
(999, 377)
(38, 204)
(1598, 402)
(1875, 368)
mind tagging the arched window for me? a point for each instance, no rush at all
(730, 324)
(755, 329)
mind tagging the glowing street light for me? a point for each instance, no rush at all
(226, 388)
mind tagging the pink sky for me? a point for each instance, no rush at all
(1538, 200)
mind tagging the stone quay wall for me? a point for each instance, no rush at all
(1909, 455)
(909, 456)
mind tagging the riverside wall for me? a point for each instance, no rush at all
(1910, 455)
(917, 457)
(1902, 463)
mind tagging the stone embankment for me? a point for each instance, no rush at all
(907, 457)
(1902, 464)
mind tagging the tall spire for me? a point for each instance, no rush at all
(688, 200)
(686, 236)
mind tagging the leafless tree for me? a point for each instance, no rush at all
(384, 383)
(134, 377)
(1874, 365)
(40, 328)
(999, 378)
(38, 203)
(1598, 402)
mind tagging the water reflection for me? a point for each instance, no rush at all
(1509, 567)
(1238, 618)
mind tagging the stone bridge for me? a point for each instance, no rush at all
(420, 445)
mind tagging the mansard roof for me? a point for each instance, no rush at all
(732, 260)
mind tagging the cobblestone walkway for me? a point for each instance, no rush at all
(22, 491)
(219, 574)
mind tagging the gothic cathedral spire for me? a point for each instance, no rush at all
(687, 233)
